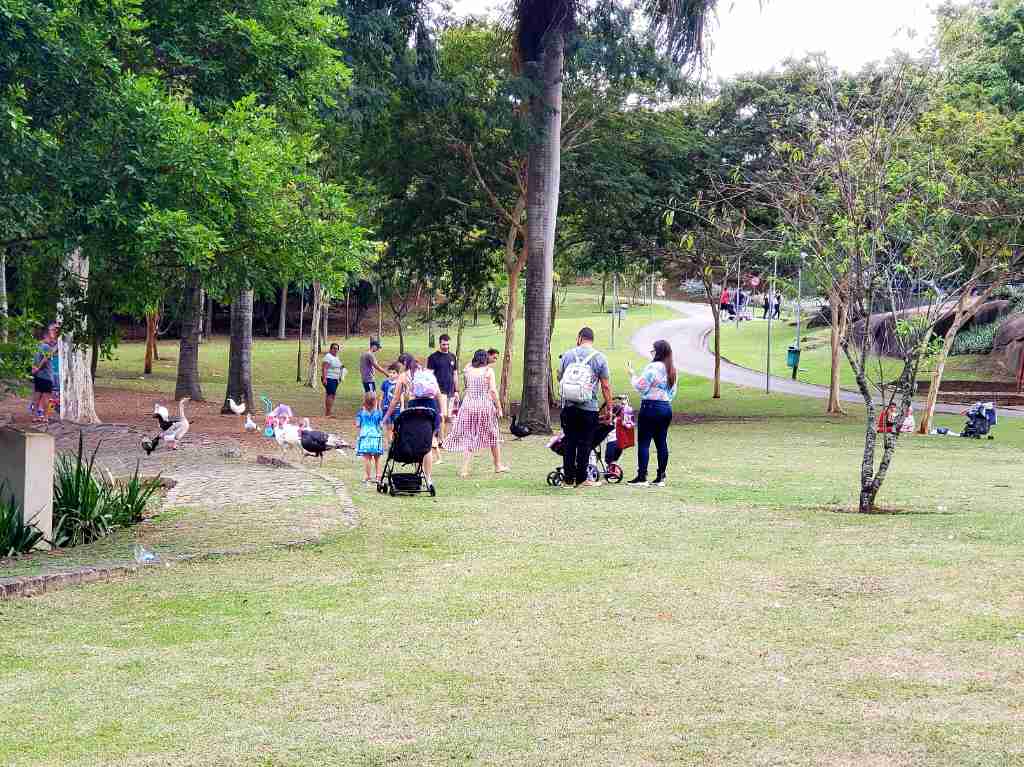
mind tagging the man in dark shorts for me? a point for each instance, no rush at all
(42, 374)
(368, 365)
(442, 364)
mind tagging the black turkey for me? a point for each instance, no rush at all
(317, 443)
(519, 430)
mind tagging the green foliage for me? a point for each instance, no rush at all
(976, 340)
(16, 355)
(87, 507)
(16, 535)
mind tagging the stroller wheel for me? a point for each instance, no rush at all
(433, 492)
(391, 491)
(555, 478)
(614, 474)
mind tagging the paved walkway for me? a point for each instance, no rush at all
(689, 338)
(221, 502)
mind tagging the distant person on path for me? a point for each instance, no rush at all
(776, 305)
(766, 303)
(330, 377)
(370, 443)
(442, 364)
(42, 375)
(582, 370)
(368, 366)
(421, 387)
(657, 387)
(724, 303)
(476, 426)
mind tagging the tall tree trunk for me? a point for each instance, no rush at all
(152, 319)
(604, 289)
(302, 316)
(716, 315)
(552, 400)
(3, 295)
(315, 327)
(459, 326)
(543, 180)
(240, 353)
(208, 328)
(838, 311)
(187, 384)
(282, 316)
(77, 399)
(326, 314)
(431, 341)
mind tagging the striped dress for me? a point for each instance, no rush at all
(476, 426)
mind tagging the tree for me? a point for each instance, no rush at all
(542, 28)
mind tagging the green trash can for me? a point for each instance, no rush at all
(793, 357)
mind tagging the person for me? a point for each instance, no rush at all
(724, 304)
(368, 365)
(492, 356)
(657, 387)
(887, 419)
(476, 426)
(369, 444)
(908, 426)
(776, 304)
(442, 364)
(582, 368)
(42, 375)
(387, 393)
(416, 382)
(766, 303)
(330, 377)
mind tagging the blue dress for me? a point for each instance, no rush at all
(371, 439)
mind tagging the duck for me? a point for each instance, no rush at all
(250, 425)
(235, 407)
(179, 428)
(519, 430)
(163, 417)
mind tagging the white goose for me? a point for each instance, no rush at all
(179, 428)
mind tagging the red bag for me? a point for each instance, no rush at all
(625, 436)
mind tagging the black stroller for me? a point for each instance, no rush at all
(611, 472)
(412, 440)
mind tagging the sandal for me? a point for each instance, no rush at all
(502, 470)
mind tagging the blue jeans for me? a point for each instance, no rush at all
(652, 424)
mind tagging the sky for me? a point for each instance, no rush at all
(748, 37)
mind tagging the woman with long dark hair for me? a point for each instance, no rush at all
(476, 425)
(657, 386)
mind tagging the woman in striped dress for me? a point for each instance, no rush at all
(476, 426)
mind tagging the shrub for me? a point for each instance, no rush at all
(81, 503)
(16, 535)
(86, 508)
(976, 340)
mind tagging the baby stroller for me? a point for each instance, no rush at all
(414, 432)
(603, 463)
(981, 417)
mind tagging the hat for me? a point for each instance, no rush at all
(376, 342)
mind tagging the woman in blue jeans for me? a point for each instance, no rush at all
(657, 386)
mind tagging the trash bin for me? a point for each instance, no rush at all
(793, 357)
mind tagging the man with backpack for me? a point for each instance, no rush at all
(582, 369)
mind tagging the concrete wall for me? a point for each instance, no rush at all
(26, 466)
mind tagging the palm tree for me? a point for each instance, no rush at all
(541, 27)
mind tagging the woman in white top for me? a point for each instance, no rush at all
(330, 376)
(657, 385)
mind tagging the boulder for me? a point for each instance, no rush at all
(1009, 342)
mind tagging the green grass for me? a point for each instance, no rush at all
(747, 346)
(739, 616)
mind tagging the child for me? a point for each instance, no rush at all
(387, 391)
(369, 444)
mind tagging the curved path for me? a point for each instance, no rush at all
(688, 336)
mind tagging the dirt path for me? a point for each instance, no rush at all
(689, 338)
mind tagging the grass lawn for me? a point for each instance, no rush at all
(737, 617)
(747, 344)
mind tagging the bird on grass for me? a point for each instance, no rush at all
(316, 443)
(519, 430)
(235, 407)
(250, 425)
(172, 430)
(287, 436)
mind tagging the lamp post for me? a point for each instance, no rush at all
(769, 292)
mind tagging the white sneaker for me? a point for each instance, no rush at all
(658, 482)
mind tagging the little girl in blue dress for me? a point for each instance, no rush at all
(370, 443)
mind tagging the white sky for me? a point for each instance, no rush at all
(852, 32)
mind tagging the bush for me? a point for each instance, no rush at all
(86, 508)
(976, 340)
(16, 535)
